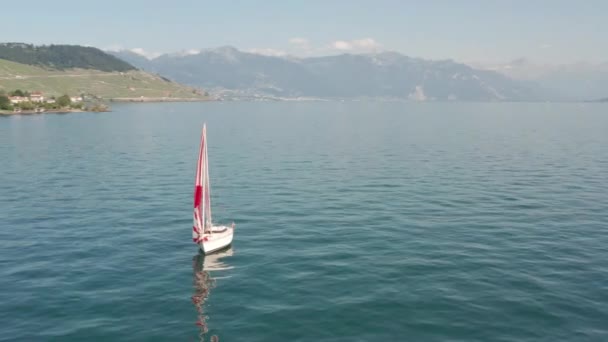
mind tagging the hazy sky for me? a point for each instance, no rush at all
(547, 31)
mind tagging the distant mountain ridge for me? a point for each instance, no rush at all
(576, 81)
(63, 57)
(378, 75)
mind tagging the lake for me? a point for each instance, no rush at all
(355, 221)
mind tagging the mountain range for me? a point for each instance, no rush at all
(231, 73)
(575, 81)
(377, 75)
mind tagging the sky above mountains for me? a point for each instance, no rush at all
(545, 31)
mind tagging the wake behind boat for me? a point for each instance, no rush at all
(208, 237)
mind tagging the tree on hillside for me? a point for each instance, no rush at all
(26, 105)
(17, 92)
(63, 101)
(49, 106)
(62, 57)
(5, 103)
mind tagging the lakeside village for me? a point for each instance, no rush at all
(24, 102)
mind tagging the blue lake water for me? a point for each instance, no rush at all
(355, 221)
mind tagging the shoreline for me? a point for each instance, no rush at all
(52, 111)
(160, 99)
(116, 99)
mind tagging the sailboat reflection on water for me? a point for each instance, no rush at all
(203, 283)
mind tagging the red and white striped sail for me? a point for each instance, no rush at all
(202, 198)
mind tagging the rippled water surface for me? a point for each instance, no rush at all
(355, 221)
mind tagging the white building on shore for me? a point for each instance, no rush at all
(36, 97)
(18, 99)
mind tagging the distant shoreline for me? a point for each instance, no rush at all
(50, 111)
(159, 99)
(117, 99)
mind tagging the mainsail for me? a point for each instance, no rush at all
(202, 197)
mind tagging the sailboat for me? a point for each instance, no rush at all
(209, 237)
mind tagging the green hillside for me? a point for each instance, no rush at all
(108, 85)
(62, 57)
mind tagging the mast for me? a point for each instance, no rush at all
(207, 185)
(203, 181)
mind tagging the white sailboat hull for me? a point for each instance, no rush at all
(220, 237)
